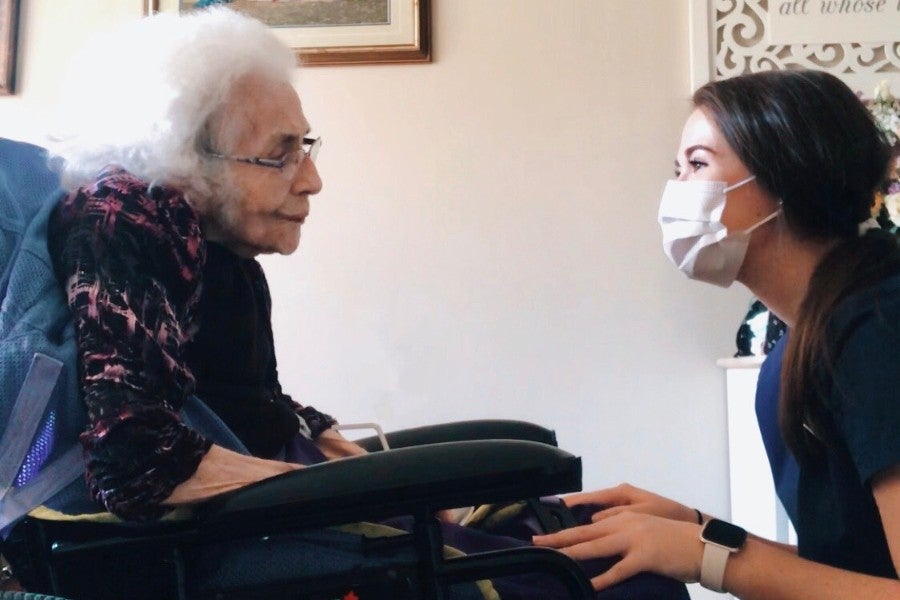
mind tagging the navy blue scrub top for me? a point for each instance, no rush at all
(829, 499)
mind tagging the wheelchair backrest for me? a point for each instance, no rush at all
(41, 413)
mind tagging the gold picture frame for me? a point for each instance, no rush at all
(9, 21)
(403, 35)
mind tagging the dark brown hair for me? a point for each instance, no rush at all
(812, 144)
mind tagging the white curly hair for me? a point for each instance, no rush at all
(141, 96)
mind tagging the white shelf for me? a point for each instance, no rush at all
(754, 504)
(741, 362)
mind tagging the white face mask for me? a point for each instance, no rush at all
(695, 239)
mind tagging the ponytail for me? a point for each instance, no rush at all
(852, 265)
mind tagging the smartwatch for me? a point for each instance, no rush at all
(720, 540)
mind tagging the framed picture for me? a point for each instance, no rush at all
(335, 32)
(9, 18)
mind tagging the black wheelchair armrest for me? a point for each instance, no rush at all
(485, 429)
(406, 481)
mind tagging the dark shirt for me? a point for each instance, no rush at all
(838, 522)
(233, 359)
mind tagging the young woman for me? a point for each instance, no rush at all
(774, 186)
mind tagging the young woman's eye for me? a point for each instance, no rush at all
(696, 165)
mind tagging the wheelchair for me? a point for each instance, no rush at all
(428, 469)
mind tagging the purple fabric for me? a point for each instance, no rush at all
(302, 452)
(39, 451)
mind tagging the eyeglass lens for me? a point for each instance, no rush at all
(309, 149)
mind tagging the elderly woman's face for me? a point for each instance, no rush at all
(259, 209)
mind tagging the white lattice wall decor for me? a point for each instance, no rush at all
(729, 37)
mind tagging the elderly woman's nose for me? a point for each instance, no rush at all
(307, 180)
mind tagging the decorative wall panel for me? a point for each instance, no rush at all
(732, 35)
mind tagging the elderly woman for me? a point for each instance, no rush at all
(173, 195)
(776, 175)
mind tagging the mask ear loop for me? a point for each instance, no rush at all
(739, 183)
(753, 228)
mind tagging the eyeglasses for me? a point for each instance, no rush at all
(287, 164)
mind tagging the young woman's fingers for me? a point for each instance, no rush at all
(620, 494)
(568, 537)
(598, 547)
(609, 512)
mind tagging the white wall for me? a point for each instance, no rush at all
(485, 244)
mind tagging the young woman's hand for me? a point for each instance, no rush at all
(627, 498)
(645, 543)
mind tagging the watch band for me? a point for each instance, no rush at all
(712, 568)
(720, 540)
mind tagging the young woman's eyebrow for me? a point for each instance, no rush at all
(688, 151)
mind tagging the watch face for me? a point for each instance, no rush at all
(724, 534)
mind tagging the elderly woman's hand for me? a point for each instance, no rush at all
(627, 498)
(645, 543)
(223, 470)
(334, 445)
